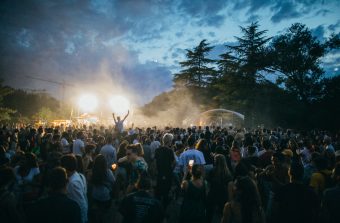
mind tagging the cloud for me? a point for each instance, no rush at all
(113, 69)
(83, 41)
(319, 32)
(200, 7)
(253, 18)
(174, 55)
(179, 34)
(211, 34)
(331, 63)
(207, 12)
(284, 10)
(333, 27)
(322, 12)
(71, 40)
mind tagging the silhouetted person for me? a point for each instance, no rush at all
(331, 199)
(57, 207)
(295, 202)
(140, 206)
(245, 207)
(9, 211)
(165, 161)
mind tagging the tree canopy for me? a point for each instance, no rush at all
(196, 70)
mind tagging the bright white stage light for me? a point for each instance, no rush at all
(119, 105)
(87, 103)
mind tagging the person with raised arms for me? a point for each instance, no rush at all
(120, 123)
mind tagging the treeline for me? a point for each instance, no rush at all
(274, 81)
(19, 106)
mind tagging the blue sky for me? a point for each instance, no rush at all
(133, 47)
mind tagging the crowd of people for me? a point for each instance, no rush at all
(214, 174)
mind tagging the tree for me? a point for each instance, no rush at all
(195, 70)
(251, 52)
(45, 114)
(243, 68)
(227, 64)
(328, 107)
(4, 112)
(296, 57)
(333, 42)
(228, 83)
(28, 103)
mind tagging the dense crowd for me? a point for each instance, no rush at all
(68, 174)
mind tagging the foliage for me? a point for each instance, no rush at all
(250, 52)
(242, 68)
(272, 80)
(297, 56)
(28, 104)
(4, 111)
(195, 70)
(44, 114)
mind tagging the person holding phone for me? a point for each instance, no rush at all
(193, 208)
(191, 154)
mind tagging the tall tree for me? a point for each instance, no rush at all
(251, 52)
(296, 57)
(195, 70)
(227, 64)
(250, 63)
(228, 82)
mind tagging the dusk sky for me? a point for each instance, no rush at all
(133, 47)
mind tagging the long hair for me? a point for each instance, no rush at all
(201, 145)
(221, 168)
(248, 196)
(122, 149)
(99, 170)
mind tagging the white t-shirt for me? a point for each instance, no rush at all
(131, 132)
(77, 145)
(306, 156)
(27, 179)
(66, 145)
(77, 190)
(153, 146)
(120, 126)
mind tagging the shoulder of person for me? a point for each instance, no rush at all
(35, 170)
(227, 208)
(317, 176)
(328, 193)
